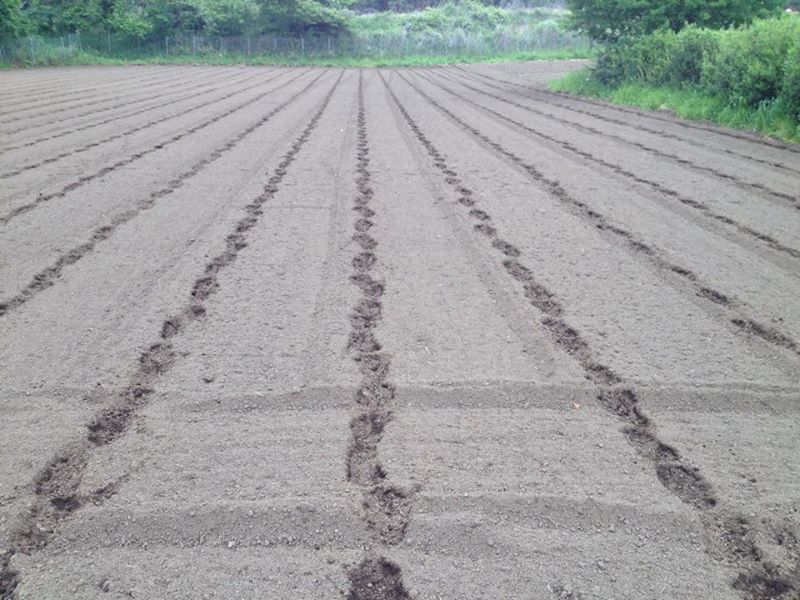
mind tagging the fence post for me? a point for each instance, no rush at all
(166, 45)
(194, 44)
(108, 41)
(33, 49)
(302, 45)
(248, 45)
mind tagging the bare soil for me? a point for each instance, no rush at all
(391, 334)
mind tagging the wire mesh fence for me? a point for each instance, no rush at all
(43, 50)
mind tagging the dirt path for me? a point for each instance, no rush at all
(436, 333)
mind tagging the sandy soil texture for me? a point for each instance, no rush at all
(391, 334)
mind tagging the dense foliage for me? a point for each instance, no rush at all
(609, 20)
(452, 17)
(746, 66)
(154, 18)
(12, 23)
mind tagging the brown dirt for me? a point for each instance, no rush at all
(438, 333)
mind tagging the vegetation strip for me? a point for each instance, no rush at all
(537, 95)
(192, 93)
(42, 198)
(731, 533)
(57, 484)
(133, 130)
(661, 189)
(682, 122)
(47, 277)
(685, 162)
(702, 289)
(387, 507)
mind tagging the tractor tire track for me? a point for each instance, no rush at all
(387, 507)
(540, 96)
(703, 290)
(225, 82)
(684, 162)
(731, 534)
(56, 486)
(42, 198)
(730, 305)
(136, 85)
(169, 84)
(662, 190)
(47, 277)
(134, 130)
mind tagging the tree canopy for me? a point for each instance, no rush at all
(12, 23)
(141, 18)
(607, 20)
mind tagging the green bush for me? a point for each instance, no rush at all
(661, 58)
(745, 66)
(749, 63)
(694, 46)
(791, 81)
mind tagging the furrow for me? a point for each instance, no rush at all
(137, 129)
(50, 82)
(730, 534)
(53, 86)
(684, 162)
(56, 486)
(171, 84)
(136, 84)
(387, 507)
(746, 137)
(119, 103)
(539, 96)
(622, 171)
(42, 198)
(731, 305)
(225, 82)
(48, 277)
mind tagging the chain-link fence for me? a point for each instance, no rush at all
(43, 50)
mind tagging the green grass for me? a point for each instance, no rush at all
(85, 58)
(769, 118)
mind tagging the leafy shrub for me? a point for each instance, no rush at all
(694, 46)
(748, 66)
(791, 80)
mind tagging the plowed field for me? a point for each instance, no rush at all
(386, 334)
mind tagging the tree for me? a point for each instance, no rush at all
(608, 20)
(302, 17)
(129, 17)
(12, 23)
(54, 17)
(228, 17)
